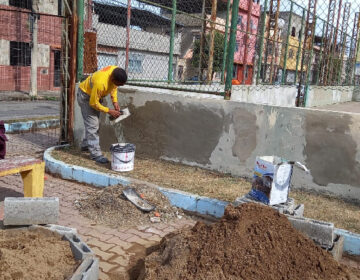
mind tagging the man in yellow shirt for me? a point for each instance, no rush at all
(90, 99)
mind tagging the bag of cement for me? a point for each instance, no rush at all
(271, 180)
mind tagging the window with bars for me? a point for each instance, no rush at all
(20, 54)
(135, 63)
(25, 4)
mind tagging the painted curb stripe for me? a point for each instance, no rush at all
(29, 125)
(184, 200)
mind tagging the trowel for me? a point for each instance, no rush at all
(124, 114)
(135, 199)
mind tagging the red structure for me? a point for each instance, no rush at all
(247, 26)
(15, 44)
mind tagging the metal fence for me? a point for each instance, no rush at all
(208, 46)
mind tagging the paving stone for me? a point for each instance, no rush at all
(119, 261)
(106, 267)
(102, 245)
(103, 256)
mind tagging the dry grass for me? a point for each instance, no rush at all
(221, 186)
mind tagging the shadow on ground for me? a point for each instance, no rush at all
(5, 192)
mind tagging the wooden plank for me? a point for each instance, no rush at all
(11, 166)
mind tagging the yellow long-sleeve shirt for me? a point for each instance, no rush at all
(99, 85)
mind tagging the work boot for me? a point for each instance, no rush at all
(101, 160)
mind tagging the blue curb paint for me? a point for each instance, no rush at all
(184, 200)
(18, 127)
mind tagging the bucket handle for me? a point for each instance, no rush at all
(123, 161)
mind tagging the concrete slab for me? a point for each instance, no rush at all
(30, 210)
(321, 232)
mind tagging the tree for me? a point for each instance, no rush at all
(218, 52)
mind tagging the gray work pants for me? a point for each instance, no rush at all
(91, 123)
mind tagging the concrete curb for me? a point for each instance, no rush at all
(184, 200)
(17, 127)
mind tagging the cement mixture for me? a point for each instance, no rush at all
(35, 254)
(110, 207)
(250, 242)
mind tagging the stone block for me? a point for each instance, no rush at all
(338, 248)
(88, 270)
(299, 210)
(79, 249)
(321, 232)
(31, 210)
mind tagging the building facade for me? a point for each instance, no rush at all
(16, 42)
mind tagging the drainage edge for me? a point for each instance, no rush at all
(187, 201)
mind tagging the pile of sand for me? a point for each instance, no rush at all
(249, 242)
(110, 207)
(35, 254)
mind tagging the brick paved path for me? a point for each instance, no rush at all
(117, 249)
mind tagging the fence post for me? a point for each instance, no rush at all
(228, 5)
(321, 54)
(230, 56)
(356, 58)
(127, 50)
(263, 22)
(299, 53)
(287, 45)
(212, 41)
(172, 40)
(80, 48)
(309, 66)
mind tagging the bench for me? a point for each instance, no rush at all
(31, 170)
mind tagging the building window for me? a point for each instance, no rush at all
(235, 70)
(26, 4)
(240, 18)
(291, 54)
(237, 45)
(20, 54)
(293, 32)
(135, 63)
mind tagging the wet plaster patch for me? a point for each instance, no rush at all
(244, 124)
(172, 130)
(328, 136)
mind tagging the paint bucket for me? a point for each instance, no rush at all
(122, 156)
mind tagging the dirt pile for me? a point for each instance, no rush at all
(250, 242)
(110, 207)
(35, 254)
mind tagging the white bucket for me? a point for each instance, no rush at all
(122, 156)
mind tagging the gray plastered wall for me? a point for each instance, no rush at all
(226, 136)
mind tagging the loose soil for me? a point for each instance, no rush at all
(343, 214)
(35, 254)
(249, 242)
(110, 207)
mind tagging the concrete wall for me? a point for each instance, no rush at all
(271, 95)
(227, 136)
(356, 94)
(320, 95)
(286, 95)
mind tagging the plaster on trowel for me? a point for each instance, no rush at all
(125, 113)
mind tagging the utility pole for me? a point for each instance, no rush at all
(34, 48)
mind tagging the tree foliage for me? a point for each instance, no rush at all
(218, 52)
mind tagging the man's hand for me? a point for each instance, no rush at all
(114, 114)
(116, 107)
